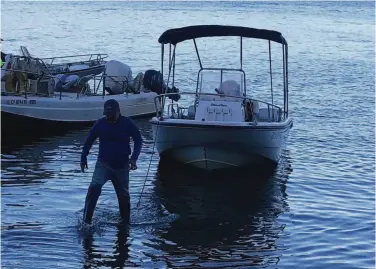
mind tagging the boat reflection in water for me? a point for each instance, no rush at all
(184, 219)
(218, 222)
(227, 221)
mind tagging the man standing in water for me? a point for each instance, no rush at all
(113, 162)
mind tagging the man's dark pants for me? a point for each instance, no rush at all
(120, 179)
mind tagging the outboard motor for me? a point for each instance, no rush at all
(119, 76)
(153, 81)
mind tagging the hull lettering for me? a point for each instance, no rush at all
(21, 102)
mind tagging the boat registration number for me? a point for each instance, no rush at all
(21, 102)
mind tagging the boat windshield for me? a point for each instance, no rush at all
(221, 81)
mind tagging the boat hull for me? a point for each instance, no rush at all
(212, 147)
(72, 109)
(16, 126)
(37, 114)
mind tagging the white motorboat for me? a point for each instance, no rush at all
(68, 108)
(34, 101)
(222, 126)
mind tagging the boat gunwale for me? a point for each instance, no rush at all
(184, 123)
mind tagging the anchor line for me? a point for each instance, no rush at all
(151, 158)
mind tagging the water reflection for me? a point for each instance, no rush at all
(33, 159)
(228, 220)
(222, 221)
(94, 259)
(40, 160)
(185, 219)
(11, 141)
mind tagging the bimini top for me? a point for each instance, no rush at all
(176, 35)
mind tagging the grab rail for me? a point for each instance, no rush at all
(160, 107)
(32, 66)
(50, 68)
(124, 83)
(99, 56)
(26, 53)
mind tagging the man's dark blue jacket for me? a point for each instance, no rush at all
(114, 141)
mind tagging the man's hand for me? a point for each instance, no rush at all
(132, 165)
(83, 165)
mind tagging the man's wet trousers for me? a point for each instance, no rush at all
(120, 180)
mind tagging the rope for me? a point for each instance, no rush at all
(151, 158)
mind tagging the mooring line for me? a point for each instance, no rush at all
(151, 158)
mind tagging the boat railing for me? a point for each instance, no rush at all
(119, 81)
(34, 63)
(25, 77)
(98, 57)
(28, 64)
(176, 110)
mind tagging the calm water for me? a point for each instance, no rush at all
(315, 211)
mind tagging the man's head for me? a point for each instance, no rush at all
(112, 110)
